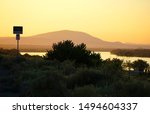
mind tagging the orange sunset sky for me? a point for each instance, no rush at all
(111, 20)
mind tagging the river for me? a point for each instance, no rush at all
(104, 56)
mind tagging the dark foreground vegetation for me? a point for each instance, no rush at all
(132, 52)
(71, 70)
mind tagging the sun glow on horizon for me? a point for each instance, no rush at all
(110, 20)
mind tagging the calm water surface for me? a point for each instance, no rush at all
(104, 56)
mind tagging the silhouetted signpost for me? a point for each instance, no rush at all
(18, 30)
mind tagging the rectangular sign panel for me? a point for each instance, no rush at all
(18, 30)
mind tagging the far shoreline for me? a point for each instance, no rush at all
(45, 50)
(118, 52)
(132, 52)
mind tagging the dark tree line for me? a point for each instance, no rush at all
(140, 66)
(132, 52)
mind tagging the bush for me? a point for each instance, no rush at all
(1, 57)
(51, 85)
(9, 62)
(132, 88)
(111, 69)
(68, 68)
(106, 91)
(85, 77)
(11, 52)
(85, 91)
(67, 50)
(140, 65)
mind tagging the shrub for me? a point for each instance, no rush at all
(51, 85)
(111, 69)
(12, 52)
(85, 91)
(68, 68)
(140, 65)
(10, 61)
(67, 50)
(132, 88)
(106, 91)
(85, 77)
(1, 57)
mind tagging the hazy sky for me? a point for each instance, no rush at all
(111, 20)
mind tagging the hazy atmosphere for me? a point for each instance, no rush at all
(75, 48)
(111, 20)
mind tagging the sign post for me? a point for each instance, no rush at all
(18, 30)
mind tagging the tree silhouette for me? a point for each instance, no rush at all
(67, 50)
(128, 66)
(112, 67)
(140, 65)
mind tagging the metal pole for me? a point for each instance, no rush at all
(17, 38)
(17, 47)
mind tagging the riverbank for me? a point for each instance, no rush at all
(104, 56)
(132, 52)
(39, 48)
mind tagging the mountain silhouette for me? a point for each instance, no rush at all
(47, 39)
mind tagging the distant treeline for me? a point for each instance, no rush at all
(8, 51)
(27, 48)
(132, 52)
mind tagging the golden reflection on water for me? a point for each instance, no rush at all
(104, 56)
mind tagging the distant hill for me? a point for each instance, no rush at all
(45, 41)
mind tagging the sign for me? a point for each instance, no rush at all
(18, 30)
